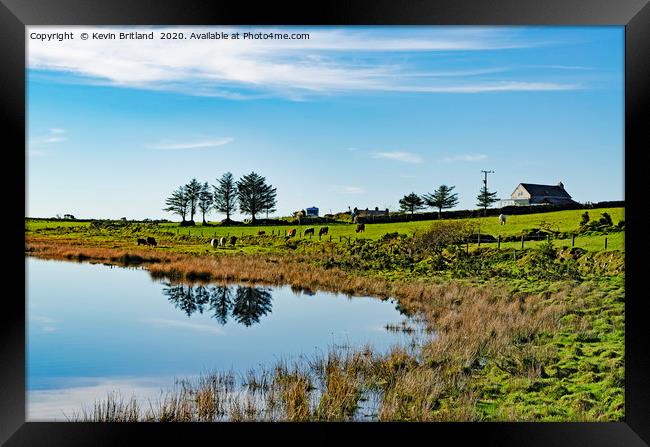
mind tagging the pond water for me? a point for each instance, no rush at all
(94, 329)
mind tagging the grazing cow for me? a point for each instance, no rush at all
(361, 227)
(261, 232)
(151, 241)
(222, 241)
(214, 243)
(291, 232)
(309, 230)
(233, 239)
(142, 241)
(502, 219)
(323, 231)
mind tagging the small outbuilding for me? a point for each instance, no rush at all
(312, 211)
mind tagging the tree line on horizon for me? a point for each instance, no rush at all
(251, 194)
(443, 198)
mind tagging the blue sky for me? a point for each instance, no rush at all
(354, 116)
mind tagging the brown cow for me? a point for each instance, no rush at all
(361, 227)
(323, 231)
(291, 232)
(142, 241)
(309, 230)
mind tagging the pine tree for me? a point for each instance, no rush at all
(411, 203)
(225, 195)
(486, 198)
(255, 195)
(193, 189)
(178, 202)
(441, 198)
(205, 200)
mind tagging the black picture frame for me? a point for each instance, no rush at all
(633, 14)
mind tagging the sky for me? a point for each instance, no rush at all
(351, 117)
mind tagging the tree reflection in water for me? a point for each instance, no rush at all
(246, 305)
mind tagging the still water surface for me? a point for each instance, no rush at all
(93, 329)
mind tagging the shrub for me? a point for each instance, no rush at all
(606, 219)
(441, 235)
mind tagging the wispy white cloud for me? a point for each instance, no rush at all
(38, 145)
(53, 139)
(466, 157)
(404, 157)
(54, 135)
(348, 189)
(200, 144)
(45, 324)
(330, 61)
(161, 322)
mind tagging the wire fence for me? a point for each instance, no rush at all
(522, 241)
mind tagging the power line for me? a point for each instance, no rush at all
(486, 174)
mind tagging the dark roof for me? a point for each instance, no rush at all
(546, 190)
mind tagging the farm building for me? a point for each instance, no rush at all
(533, 194)
(369, 212)
(312, 212)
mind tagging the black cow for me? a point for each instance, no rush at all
(142, 241)
(309, 230)
(323, 231)
(233, 239)
(151, 241)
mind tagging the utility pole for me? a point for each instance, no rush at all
(485, 193)
(485, 178)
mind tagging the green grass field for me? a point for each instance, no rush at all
(563, 221)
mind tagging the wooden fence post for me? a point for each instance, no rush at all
(340, 238)
(330, 238)
(522, 241)
(499, 241)
(605, 242)
(514, 255)
(573, 240)
(479, 238)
